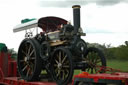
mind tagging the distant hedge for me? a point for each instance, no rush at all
(119, 53)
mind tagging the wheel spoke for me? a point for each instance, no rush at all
(24, 67)
(28, 72)
(66, 70)
(64, 59)
(97, 57)
(63, 75)
(89, 57)
(58, 72)
(57, 54)
(89, 69)
(60, 56)
(95, 69)
(93, 56)
(31, 52)
(32, 58)
(65, 66)
(56, 61)
(31, 68)
(24, 52)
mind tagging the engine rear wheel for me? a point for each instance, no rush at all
(95, 60)
(29, 61)
(62, 66)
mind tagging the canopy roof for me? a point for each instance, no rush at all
(45, 23)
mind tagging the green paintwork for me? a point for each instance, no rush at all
(3, 47)
(27, 20)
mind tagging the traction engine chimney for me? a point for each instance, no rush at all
(76, 18)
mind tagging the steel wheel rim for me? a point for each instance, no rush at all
(61, 65)
(26, 60)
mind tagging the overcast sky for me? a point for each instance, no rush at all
(104, 21)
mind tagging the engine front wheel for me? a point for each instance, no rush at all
(29, 61)
(62, 66)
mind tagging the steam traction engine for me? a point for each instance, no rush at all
(58, 48)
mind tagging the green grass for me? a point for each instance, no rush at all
(77, 72)
(118, 64)
(115, 64)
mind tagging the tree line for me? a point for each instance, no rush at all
(120, 52)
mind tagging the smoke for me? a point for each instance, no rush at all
(69, 3)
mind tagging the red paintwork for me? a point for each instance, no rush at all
(96, 77)
(51, 23)
(12, 66)
(15, 81)
(4, 63)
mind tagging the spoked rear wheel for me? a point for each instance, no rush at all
(29, 62)
(95, 60)
(62, 66)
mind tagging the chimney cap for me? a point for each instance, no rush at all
(76, 6)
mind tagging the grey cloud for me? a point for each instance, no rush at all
(69, 3)
(63, 3)
(108, 2)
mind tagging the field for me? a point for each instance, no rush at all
(115, 64)
(118, 64)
